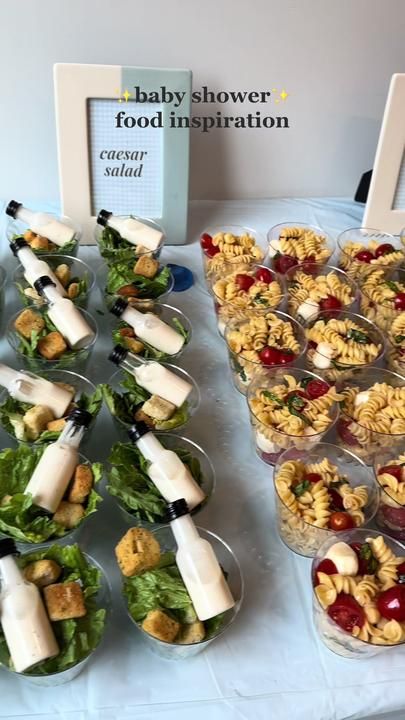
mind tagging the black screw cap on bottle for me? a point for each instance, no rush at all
(119, 307)
(103, 217)
(43, 282)
(13, 208)
(8, 547)
(80, 417)
(118, 354)
(17, 245)
(176, 509)
(137, 431)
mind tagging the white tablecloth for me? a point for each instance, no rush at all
(270, 664)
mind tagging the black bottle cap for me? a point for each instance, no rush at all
(118, 354)
(103, 217)
(137, 431)
(119, 307)
(80, 417)
(13, 208)
(176, 509)
(43, 282)
(17, 245)
(8, 547)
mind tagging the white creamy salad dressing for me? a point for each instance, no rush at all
(34, 267)
(134, 231)
(66, 317)
(45, 225)
(154, 331)
(157, 379)
(27, 387)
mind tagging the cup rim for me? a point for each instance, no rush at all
(382, 489)
(44, 256)
(297, 328)
(373, 231)
(3, 277)
(324, 267)
(249, 270)
(305, 225)
(98, 229)
(356, 318)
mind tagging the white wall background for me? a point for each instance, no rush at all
(334, 58)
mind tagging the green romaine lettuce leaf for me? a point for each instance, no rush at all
(114, 248)
(121, 274)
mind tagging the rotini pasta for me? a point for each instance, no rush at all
(309, 293)
(253, 292)
(298, 245)
(224, 249)
(391, 477)
(361, 259)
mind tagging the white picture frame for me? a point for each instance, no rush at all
(388, 178)
(77, 84)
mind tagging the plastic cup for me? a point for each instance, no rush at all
(332, 635)
(125, 251)
(103, 601)
(274, 233)
(170, 315)
(357, 269)
(109, 298)
(16, 228)
(268, 441)
(391, 513)
(78, 269)
(342, 369)
(242, 306)
(315, 270)
(230, 565)
(171, 441)
(81, 385)
(356, 437)
(300, 536)
(3, 280)
(76, 359)
(193, 400)
(243, 369)
(225, 262)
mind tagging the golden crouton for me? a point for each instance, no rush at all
(62, 272)
(73, 290)
(82, 484)
(160, 626)
(42, 572)
(40, 243)
(29, 236)
(28, 321)
(56, 425)
(146, 266)
(35, 297)
(52, 346)
(5, 500)
(141, 416)
(135, 346)
(64, 601)
(68, 514)
(138, 550)
(36, 420)
(158, 408)
(192, 633)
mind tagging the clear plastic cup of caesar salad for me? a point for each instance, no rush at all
(359, 593)
(134, 283)
(138, 499)
(321, 492)
(41, 245)
(35, 424)
(164, 615)
(28, 524)
(77, 597)
(115, 249)
(77, 279)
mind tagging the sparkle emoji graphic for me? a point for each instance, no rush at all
(282, 95)
(123, 96)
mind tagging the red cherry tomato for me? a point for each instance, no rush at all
(312, 344)
(310, 259)
(326, 566)
(330, 303)
(316, 388)
(364, 256)
(345, 434)
(337, 500)
(264, 275)
(282, 263)
(205, 241)
(399, 301)
(244, 282)
(270, 356)
(394, 470)
(286, 357)
(384, 249)
(211, 250)
(401, 569)
(391, 603)
(313, 477)
(301, 393)
(393, 516)
(346, 612)
(341, 521)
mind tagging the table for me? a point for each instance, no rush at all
(270, 663)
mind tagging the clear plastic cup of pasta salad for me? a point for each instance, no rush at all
(268, 340)
(319, 493)
(77, 597)
(230, 247)
(130, 282)
(41, 245)
(77, 278)
(339, 342)
(314, 288)
(191, 637)
(33, 424)
(253, 291)
(359, 593)
(127, 402)
(372, 412)
(293, 243)
(289, 408)
(115, 249)
(138, 499)
(39, 346)
(389, 471)
(364, 250)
